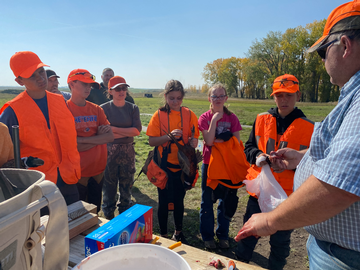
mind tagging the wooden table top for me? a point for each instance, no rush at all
(197, 259)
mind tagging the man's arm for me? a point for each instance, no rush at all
(286, 159)
(314, 202)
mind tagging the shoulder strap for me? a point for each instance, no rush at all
(185, 114)
(164, 121)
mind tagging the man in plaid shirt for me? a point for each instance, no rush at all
(327, 179)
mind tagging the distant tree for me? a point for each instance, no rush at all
(229, 74)
(191, 88)
(205, 88)
(276, 54)
(211, 71)
(226, 71)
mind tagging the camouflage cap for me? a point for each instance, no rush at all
(343, 18)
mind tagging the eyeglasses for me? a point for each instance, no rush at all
(284, 82)
(120, 88)
(222, 97)
(85, 74)
(322, 49)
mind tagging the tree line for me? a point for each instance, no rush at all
(274, 55)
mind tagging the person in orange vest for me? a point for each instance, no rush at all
(46, 126)
(219, 125)
(93, 133)
(280, 127)
(179, 121)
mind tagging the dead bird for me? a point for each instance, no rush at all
(188, 158)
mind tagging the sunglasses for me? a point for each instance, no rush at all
(222, 97)
(284, 82)
(85, 74)
(120, 88)
(322, 49)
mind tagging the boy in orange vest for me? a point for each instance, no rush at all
(93, 133)
(46, 126)
(280, 127)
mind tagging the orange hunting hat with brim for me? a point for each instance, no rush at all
(82, 75)
(342, 18)
(286, 83)
(25, 63)
(116, 81)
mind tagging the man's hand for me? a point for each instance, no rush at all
(286, 158)
(257, 226)
(103, 129)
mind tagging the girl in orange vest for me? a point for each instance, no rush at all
(179, 121)
(214, 124)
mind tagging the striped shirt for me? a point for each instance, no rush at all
(334, 158)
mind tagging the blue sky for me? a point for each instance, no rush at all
(146, 42)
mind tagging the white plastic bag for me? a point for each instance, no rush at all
(269, 192)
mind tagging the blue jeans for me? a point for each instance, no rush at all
(325, 255)
(207, 213)
(279, 241)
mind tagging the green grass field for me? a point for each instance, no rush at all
(146, 193)
(246, 110)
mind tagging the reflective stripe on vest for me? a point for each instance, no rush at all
(297, 136)
(57, 146)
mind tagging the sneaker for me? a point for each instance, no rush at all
(179, 237)
(224, 243)
(210, 244)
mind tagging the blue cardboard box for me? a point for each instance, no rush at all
(132, 226)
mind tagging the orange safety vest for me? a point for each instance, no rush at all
(57, 146)
(164, 120)
(297, 136)
(228, 165)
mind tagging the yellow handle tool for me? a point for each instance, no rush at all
(177, 244)
(154, 240)
(231, 265)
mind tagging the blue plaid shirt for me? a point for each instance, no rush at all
(334, 158)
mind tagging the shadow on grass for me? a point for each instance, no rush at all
(191, 221)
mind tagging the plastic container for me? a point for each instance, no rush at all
(134, 256)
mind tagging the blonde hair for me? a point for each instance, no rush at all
(219, 86)
(172, 85)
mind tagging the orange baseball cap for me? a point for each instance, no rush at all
(116, 81)
(286, 83)
(342, 18)
(25, 63)
(82, 75)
